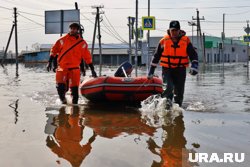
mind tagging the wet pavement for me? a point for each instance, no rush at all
(35, 130)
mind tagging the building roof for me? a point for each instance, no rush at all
(111, 46)
(217, 40)
(107, 49)
(104, 46)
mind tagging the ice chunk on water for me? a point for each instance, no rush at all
(154, 113)
(197, 106)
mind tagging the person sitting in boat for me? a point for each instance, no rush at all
(71, 50)
(173, 52)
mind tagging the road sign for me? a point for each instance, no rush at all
(58, 21)
(148, 23)
(246, 38)
(247, 30)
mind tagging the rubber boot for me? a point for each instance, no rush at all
(75, 95)
(178, 100)
(61, 90)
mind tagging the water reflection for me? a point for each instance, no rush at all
(112, 122)
(172, 150)
(14, 106)
(65, 132)
(5, 71)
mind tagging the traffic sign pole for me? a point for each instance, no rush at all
(148, 36)
(136, 37)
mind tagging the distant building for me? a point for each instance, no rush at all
(10, 57)
(115, 54)
(112, 54)
(1, 54)
(234, 50)
(36, 57)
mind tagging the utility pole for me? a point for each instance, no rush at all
(204, 51)
(131, 21)
(247, 30)
(223, 39)
(7, 47)
(16, 40)
(97, 25)
(129, 41)
(83, 64)
(199, 36)
(61, 30)
(14, 27)
(148, 62)
(136, 37)
(81, 27)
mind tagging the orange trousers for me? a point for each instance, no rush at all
(69, 77)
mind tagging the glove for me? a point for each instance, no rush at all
(92, 68)
(55, 63)
(151, 72)
(49, 64)
(82, 67)
(194, 68)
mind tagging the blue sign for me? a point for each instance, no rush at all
(246, 38)
(148, 23)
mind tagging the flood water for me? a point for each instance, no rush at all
(35, 130)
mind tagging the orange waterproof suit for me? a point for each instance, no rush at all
(70, 50)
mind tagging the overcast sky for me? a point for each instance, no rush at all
(117, 11)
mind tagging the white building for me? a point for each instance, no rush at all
(234, 50)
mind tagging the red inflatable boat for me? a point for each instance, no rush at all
(121, 88)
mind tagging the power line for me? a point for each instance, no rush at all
(114, 29)
(117, 37)
(6, 8)
(23, 30)
(101, 28)
(31, 14)
(6, 18)
(208, 21)
(239, 13)
(164, 8)
(32, 20)
(213, 21)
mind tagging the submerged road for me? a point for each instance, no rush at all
(36, 131)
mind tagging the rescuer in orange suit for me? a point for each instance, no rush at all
(67, 137)
(173, 52)
(71, 50)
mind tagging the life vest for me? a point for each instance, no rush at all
(174, 55)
